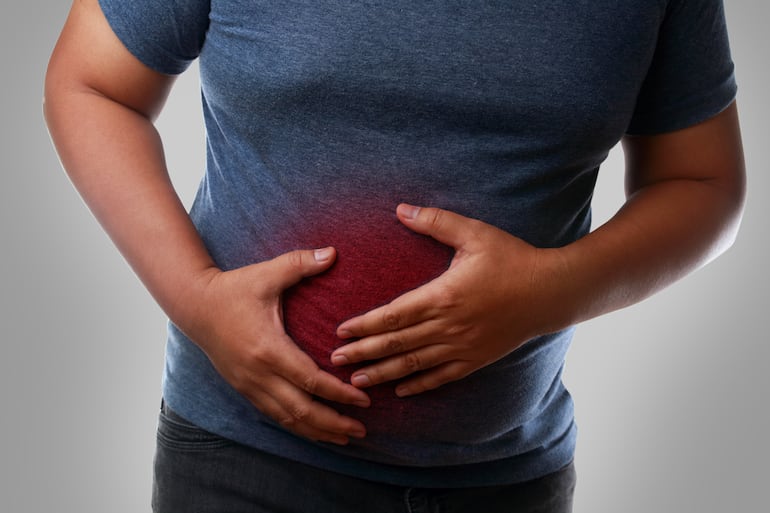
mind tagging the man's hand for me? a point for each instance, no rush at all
(487, 304)
(236, 318)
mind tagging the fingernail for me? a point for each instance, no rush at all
(323, 254)
(408, 211)
(340, 359)
(344, 333)
(360, 380)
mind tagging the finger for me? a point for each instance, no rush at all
(287, 395)
(374, 348)
(289, 268)
(446, 227)
(300, 370)
(383, 345)
(434, 378)
(400, 366)
(413, 307)
(312, 419)
(297, 412)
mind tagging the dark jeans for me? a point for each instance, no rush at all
(198, 472)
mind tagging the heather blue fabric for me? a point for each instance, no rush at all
(321, 113)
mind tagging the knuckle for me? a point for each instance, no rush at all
(413, 362)
(294, 259)
(394, 345)
(297, 414)
(436, 217)
(300, 413)
(457, 331)
(391, 319)
(287, 421)
(446, 295)
(310, 384)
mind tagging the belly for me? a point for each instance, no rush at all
(377, 260)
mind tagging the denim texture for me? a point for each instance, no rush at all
(199, 472)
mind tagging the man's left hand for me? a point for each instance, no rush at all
(495, 295)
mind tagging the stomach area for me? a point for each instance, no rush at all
(377, 261)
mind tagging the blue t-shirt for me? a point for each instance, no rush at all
(323, 115)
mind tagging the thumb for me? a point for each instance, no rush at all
(444, 226)
(289, 268)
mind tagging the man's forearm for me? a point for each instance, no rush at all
(659, 236)
(685, 200)
(114, 157)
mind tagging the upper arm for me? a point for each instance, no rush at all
(89, 58)
(710, 151)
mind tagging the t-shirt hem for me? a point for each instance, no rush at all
(535, 463)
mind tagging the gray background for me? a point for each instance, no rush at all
(671, 394)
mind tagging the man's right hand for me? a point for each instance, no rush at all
(236, 318)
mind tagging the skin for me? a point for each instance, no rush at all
(685, 193)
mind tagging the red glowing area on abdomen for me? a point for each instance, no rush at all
(378, 259)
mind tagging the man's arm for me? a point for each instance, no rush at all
(685, 192)
(100, 102)
(685, 195)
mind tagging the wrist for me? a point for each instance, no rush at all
(192, 303)
(552, 284)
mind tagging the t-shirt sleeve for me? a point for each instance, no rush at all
(691, 77)
(166, 35)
